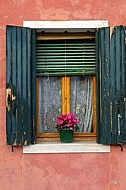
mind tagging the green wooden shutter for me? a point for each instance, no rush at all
(65, 57)
(111, 85)
(20, 85)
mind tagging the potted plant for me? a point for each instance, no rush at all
(66, 125)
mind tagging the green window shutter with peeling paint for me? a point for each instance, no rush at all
(111, 85)
(20, 85)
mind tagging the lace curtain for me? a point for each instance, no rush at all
(81, 101)
(50, 102)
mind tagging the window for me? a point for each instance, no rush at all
(66, 82)
(21, 85)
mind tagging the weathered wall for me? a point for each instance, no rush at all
(88, 171)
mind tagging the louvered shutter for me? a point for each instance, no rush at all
(65, 57)
(20, 85)
(111, 85)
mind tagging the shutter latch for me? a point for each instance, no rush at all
(121, 146)
(119, 118)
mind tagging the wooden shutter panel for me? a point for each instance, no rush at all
(111, 85)
(20, 85)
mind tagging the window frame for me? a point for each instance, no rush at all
(66, 81)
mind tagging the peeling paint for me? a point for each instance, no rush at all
(25, 142)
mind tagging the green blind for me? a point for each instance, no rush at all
(65, 57)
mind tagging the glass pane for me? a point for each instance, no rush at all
(49, 103)
(81, 101)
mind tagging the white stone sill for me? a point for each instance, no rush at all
(58, 147)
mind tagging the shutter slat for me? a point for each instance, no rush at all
(33, 87)
(8, 82)
(24, 84)
(107, 103)
(20, 87)
(112, 89)
(98, 86)
(29, 84)
(123, 80)
(14, 83)
(102, 83)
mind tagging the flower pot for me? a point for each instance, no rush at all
(66, 136)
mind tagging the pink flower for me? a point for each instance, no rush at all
(67, 121)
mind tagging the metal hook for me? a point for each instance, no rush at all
(121, 146)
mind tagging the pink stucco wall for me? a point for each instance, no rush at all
(88, 171)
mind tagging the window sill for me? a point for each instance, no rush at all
(58, 147)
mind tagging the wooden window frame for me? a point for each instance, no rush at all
(66, 93)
